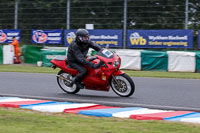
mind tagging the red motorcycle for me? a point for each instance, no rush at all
(100, 79)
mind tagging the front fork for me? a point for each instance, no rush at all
(117, 72)
(115, 80)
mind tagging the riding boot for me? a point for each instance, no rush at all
(79, 85)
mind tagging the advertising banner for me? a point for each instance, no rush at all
(113, 38)
(69, 36)
(160, 38)
(7, 35)
(47, 36)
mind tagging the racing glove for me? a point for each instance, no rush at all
(95, 66)
(98, 65)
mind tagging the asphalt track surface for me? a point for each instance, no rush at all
(159, 93)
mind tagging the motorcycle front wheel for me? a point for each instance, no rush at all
(63, 80)
(124, 87)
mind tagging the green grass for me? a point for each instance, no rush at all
(184, 75)
(27, 69)
(26, 121)
(35, 69)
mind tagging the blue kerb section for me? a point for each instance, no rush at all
(106, 112)
(37, 104)
(8, 97)
(179, 116)
(194, 115)
(43, 104)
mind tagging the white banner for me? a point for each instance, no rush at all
(8, 54)
(131, 59)
(181, 61)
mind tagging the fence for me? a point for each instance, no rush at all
(104, 14)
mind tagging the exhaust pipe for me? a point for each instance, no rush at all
(62, 78)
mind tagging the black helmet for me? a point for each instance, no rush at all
(82, 36)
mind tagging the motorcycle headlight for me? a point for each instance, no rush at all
(116, 63)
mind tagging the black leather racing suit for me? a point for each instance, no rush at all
(76, 57)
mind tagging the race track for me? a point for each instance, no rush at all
(162, 93)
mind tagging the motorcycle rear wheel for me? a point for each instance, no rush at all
(125, 86)
(63, 84)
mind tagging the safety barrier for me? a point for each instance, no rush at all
(6, 54)
(197, 61)
(49, 54)
(146, 60)
(31, 54)
(172, 61)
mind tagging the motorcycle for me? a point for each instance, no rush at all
(100, 79)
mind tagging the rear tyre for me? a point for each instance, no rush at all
(125, 86)
(65, 84)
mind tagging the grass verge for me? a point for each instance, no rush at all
(22, 121)
(35, 69)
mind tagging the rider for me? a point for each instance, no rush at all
(76, 55)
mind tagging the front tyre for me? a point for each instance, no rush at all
(64, 84)
(124, 87)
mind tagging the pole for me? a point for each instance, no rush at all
(125, 24)
(186, 14)
(16, 15)
(68, 15)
